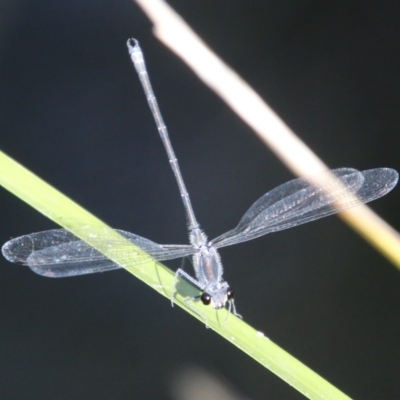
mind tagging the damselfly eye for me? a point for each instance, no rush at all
(205, 298)
(230, 294)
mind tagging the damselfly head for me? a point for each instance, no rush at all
(218, 298)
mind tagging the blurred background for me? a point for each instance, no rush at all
(72, 110)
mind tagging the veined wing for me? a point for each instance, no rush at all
(298, 201)
(58, 253)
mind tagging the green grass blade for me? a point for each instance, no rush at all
(59, 208)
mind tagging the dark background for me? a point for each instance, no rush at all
(73, 111)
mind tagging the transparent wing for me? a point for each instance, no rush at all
(58, 253)
(297, 202)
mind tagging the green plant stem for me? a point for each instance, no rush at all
(62, 210)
